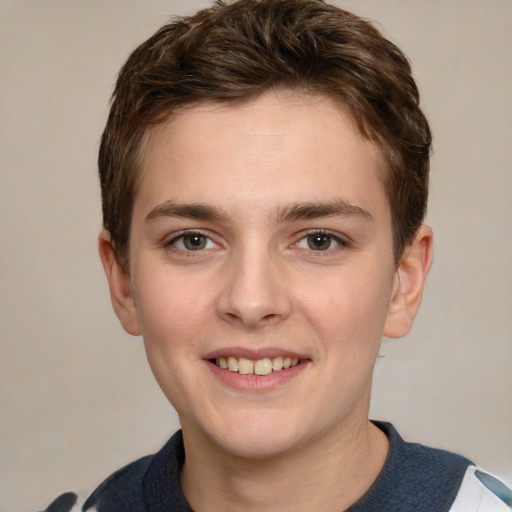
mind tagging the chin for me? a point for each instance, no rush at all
(260, 438)
(256, 446)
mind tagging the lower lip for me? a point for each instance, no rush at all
(257, 383)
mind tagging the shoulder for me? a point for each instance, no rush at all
(422, 470)
(143, 484)
(147, 484)
(137, 487)
(122, 490)
(482, 492)
(414, 478)
(420, 478)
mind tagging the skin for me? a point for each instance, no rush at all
(258, 185)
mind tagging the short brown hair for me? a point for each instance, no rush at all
(234, 52)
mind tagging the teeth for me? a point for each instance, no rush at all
(245, 366)
(277, 364)
(232, 364)
(263, 366)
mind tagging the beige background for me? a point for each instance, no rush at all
(77, 399)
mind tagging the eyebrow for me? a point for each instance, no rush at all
(197, 211)
(316, 210)
(288, 213)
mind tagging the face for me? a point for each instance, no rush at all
(261, 240)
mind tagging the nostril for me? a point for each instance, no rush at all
(252, 306)
(251, 318)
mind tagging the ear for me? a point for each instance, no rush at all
(119, 285)
(409, 283)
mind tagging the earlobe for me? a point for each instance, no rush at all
(409, 284)
(121, 294)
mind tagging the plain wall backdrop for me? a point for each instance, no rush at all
(77, 399)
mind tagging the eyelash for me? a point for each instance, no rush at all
(172, 244)
(341, 243)
(330, 236)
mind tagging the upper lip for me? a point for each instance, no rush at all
(253, 353)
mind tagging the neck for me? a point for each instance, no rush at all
(342, 464)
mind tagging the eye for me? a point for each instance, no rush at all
(192, 241)
(320, 241)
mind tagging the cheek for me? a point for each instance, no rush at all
(173, 317)
(348, 310)
(169, 304)
(171, 326)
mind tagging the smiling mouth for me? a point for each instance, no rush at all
(264, 366)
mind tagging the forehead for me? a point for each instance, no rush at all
(280, 147)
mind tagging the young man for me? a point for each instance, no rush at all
(264, 174)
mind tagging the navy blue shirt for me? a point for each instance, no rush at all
(415, 478)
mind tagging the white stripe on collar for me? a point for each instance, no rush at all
(474, 496)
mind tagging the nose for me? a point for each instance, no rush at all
(254, 292)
